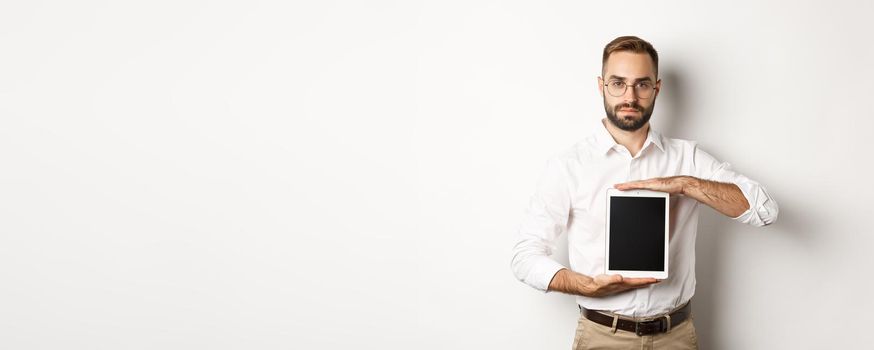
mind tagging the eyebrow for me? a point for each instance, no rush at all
(616, 77)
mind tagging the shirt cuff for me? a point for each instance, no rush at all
(543, 273)
(762, 210)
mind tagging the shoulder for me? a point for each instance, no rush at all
(679, 146)
(563, 159)
(578, 153)
(694, 160)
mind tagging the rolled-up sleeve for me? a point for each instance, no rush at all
(544, 221)
(763, 208)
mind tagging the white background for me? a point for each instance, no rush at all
(345, 174)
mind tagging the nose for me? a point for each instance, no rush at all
(630, 94)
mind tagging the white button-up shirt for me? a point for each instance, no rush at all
(571, 197)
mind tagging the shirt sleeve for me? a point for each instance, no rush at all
(544, 221)
(763, 208)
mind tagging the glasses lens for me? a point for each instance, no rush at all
(616, 88)
(643, 90)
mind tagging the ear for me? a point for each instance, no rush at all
(658, 87)
(601, 86)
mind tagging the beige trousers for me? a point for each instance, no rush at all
(591, 335)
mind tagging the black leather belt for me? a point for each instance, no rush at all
(657, 325)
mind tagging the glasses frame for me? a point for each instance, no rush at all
(625, 89)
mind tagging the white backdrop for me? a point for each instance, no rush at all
(335, 174)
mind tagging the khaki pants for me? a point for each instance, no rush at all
(591, 335)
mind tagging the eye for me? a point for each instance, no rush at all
(644, 85)
(617, 84)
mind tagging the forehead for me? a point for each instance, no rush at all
(630, 65)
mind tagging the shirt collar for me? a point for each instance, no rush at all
(605, 142)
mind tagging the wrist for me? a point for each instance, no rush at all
(690, 184)
(586, 285)
(573, 283)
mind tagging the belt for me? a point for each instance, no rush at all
(660, 324)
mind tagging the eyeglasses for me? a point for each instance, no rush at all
(643, 89)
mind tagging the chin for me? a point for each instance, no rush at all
(629, 120)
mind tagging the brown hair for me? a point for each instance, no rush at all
(633, 44)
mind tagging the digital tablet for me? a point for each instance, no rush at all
(637, 233)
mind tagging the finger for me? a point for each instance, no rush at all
(640, 281)
(628, 286)
(637, 286)
(608, 279)
(631, 185)
(640, 184)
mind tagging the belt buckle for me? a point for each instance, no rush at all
(637, 329)
(662, 322)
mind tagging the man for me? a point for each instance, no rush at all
(625, 153)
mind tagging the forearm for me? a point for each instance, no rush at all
(567, 281)
(725, 198)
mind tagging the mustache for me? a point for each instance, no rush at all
(629, 105)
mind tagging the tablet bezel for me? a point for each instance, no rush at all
(612, 192)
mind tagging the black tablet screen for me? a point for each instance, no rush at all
(637, 233)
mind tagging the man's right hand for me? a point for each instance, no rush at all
(567, 281)
(603, 285)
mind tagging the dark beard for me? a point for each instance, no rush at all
(628, 125)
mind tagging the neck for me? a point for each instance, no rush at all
(632, 140)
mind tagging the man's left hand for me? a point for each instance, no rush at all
(726, 198)
(672, 185)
